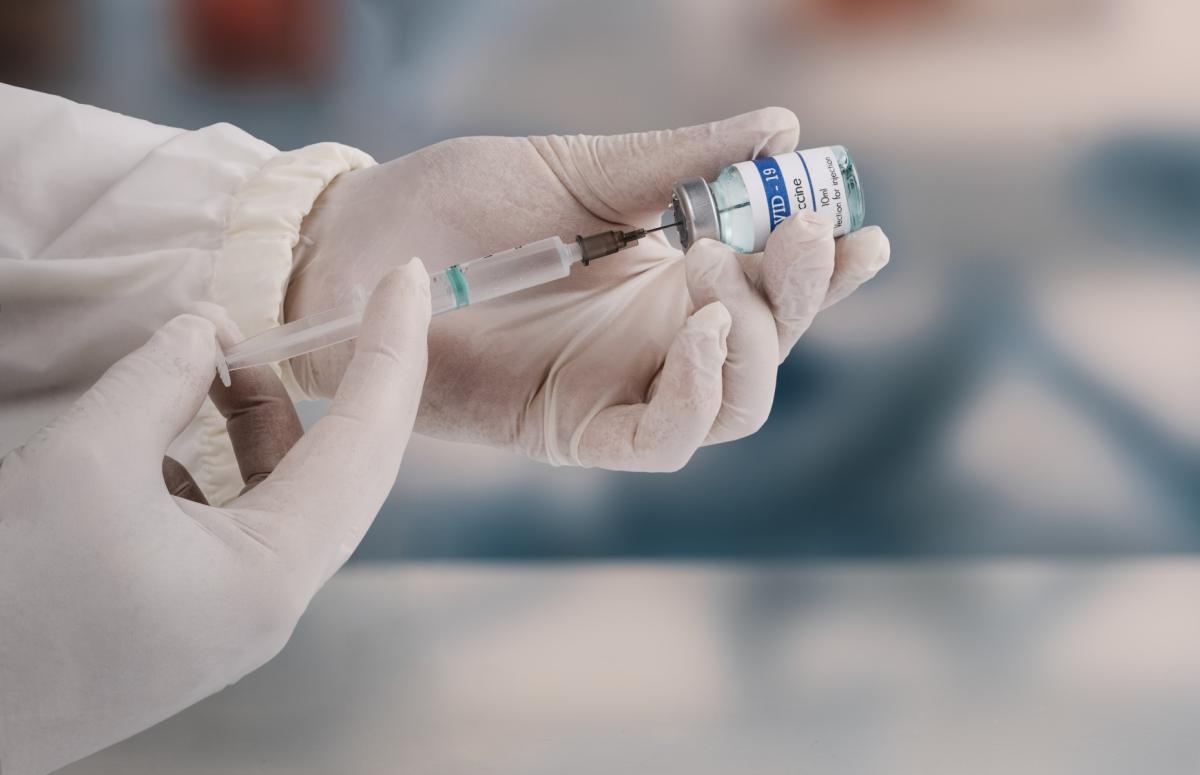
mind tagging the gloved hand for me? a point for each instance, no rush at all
(121, 604)
(630, 363)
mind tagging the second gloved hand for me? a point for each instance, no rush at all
(120, 601)
(631, 363)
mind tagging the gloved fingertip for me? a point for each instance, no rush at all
(412, 278)
(185, 347)
(707, 335)
(706, 251)
(776, 129)
(396, 318)
(705, 265)
(780, 118)
(804, 227)
(403, 290)
(417, 273)
(188, 333)
(228, 332)
(416, 288)
(713, 319)
(871, 246)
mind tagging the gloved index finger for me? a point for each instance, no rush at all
(259, 415)
(334, 480)
(620, 177)
(260, 418)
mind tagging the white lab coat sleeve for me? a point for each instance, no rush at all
(110, 226)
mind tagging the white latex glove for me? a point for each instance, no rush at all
(630, 363)
(121, 604)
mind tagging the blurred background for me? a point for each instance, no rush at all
(962, 462)
(1023, 378)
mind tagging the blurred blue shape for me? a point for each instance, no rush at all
(1143, 189)
(863, 454)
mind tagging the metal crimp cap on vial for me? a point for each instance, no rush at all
(695, 210)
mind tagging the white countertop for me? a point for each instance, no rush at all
(1007, 666)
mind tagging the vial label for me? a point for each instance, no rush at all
(781, 186)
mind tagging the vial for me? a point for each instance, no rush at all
(749, 199)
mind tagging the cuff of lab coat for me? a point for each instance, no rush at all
(250, 278)
(251, 273)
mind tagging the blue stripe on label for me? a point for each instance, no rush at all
(812, 192)
(779, 204)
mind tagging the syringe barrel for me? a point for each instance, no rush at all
(441, 292)
(512, 270)
(484, 278)
(296, 338)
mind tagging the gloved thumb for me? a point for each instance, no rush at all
(620, 177)
(147, 398)
(314, 508)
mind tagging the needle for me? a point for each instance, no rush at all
(680, 223)
(605, 243)
(664, 226)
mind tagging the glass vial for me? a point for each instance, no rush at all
(749, 199)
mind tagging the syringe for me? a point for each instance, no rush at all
(489, 277)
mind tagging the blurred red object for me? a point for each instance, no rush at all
(875, 11)
(293, 41)
(38, 41)
(961, 14)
